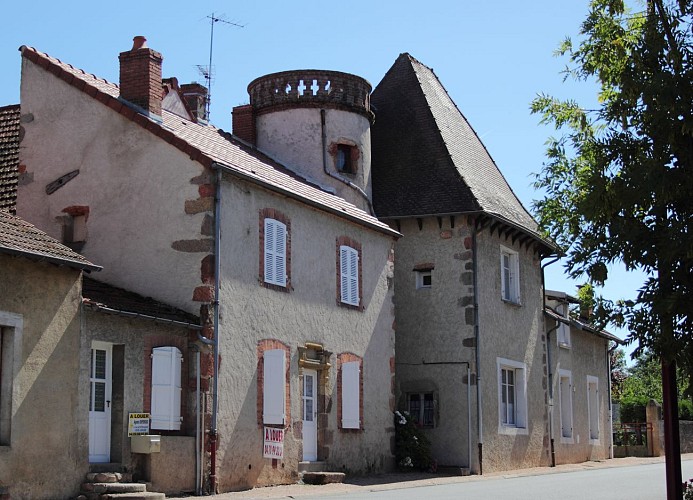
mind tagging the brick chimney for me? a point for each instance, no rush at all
(140, 76)
(243, 123)
(195, 96)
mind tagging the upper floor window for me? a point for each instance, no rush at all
(275, 245)
(349, 271)
(344, 159)
(563, 333)
(510, 276)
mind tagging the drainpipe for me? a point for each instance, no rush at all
(477, 339)
(611, 413)
(215, 341)
(549, 371)
(333, 175)
(198, 451)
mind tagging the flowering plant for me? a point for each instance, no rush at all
(412, 448)
(688, 489)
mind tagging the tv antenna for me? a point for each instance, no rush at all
(206, 72)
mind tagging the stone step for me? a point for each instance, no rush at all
(107, 467)
(113, 487)
(311, 467)
(323, 477)
(145, 495)
(104, 477)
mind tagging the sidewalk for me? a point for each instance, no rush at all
(395, 481)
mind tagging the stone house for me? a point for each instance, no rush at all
(271, 263)
(471, 345)
(579, 383)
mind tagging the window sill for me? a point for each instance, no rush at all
(512, 302)
(346, 305)
(509, 430)
(564, 345)
(272, 286)
(567, 440)
(595, 442)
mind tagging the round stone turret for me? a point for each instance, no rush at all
(318, 124)
(311, 88)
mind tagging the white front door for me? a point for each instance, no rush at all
(100, 402)
(310, 414)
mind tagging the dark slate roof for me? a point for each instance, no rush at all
(210, 145)
(9, 156)
(18, 237)
(427, 158)
(116, 300)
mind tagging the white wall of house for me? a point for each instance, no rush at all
(308, 312)
(294, 137)
(135, 185)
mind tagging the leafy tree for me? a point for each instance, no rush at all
(618, 181)
(619, 372)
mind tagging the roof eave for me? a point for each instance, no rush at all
(52, 260)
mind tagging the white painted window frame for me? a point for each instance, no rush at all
(565, 405)
(593, 414)
(420, 276)
(275, 252)
(12, 327)
(520, 427)
(563, 331)
(510, 275)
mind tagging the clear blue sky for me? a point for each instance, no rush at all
(493, 58)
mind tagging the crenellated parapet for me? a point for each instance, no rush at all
(309, 88)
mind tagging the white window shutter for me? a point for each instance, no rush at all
(166, 388)
(275, 252)
(273, 403)
(351, 404)
(349, 273)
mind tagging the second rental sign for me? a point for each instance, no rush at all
(273, 443)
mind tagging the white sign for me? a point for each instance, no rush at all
(274, 443)
(138, 424)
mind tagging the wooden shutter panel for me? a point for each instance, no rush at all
(166, 388)
(273, 391)
(275, 252)
(349, 275)
(351, 400)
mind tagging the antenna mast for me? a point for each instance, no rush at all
(207, 72)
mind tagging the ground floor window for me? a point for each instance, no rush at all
(422, 408)
(512, 396)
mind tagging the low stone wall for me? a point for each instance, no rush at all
(685, 436)
(172, 471)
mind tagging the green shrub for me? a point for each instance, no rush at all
(685, 409)
(412, 447)
(633, 409)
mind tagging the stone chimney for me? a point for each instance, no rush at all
(195, 96)
(140, 76)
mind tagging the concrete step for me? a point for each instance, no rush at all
(311, 467)
(145, 495)
(323, 477)
(113, 487)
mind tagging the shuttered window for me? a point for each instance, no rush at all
(351, 400)
(565, 395)
(349, 275)
(593, 407)
(166, 388)
(273, 391)
(275, 252)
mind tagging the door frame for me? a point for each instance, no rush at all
(108, 399)
(310, 454)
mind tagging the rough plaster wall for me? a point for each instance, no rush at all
(309, 313)
(131, 334)
(294, 137)
(514, 332)
(586, 356)
(48, 453)
(431, 326)
(135, 185)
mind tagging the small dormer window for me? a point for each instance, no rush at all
(424, 274)
(344, 159)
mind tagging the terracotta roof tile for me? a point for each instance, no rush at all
(9, 156)
(18, 237)
(214, 145)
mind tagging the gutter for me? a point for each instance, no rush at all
(88, 267)
(130, 314)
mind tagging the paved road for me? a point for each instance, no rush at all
(623, 478)
(637, 482)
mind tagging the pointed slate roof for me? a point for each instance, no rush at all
(18, 237)
(428, 160)
(9, 156)
(209, 145)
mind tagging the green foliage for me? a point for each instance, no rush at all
(618, 179)
(619, 372)
(633, 409)
(412, 447)
(685, 409)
